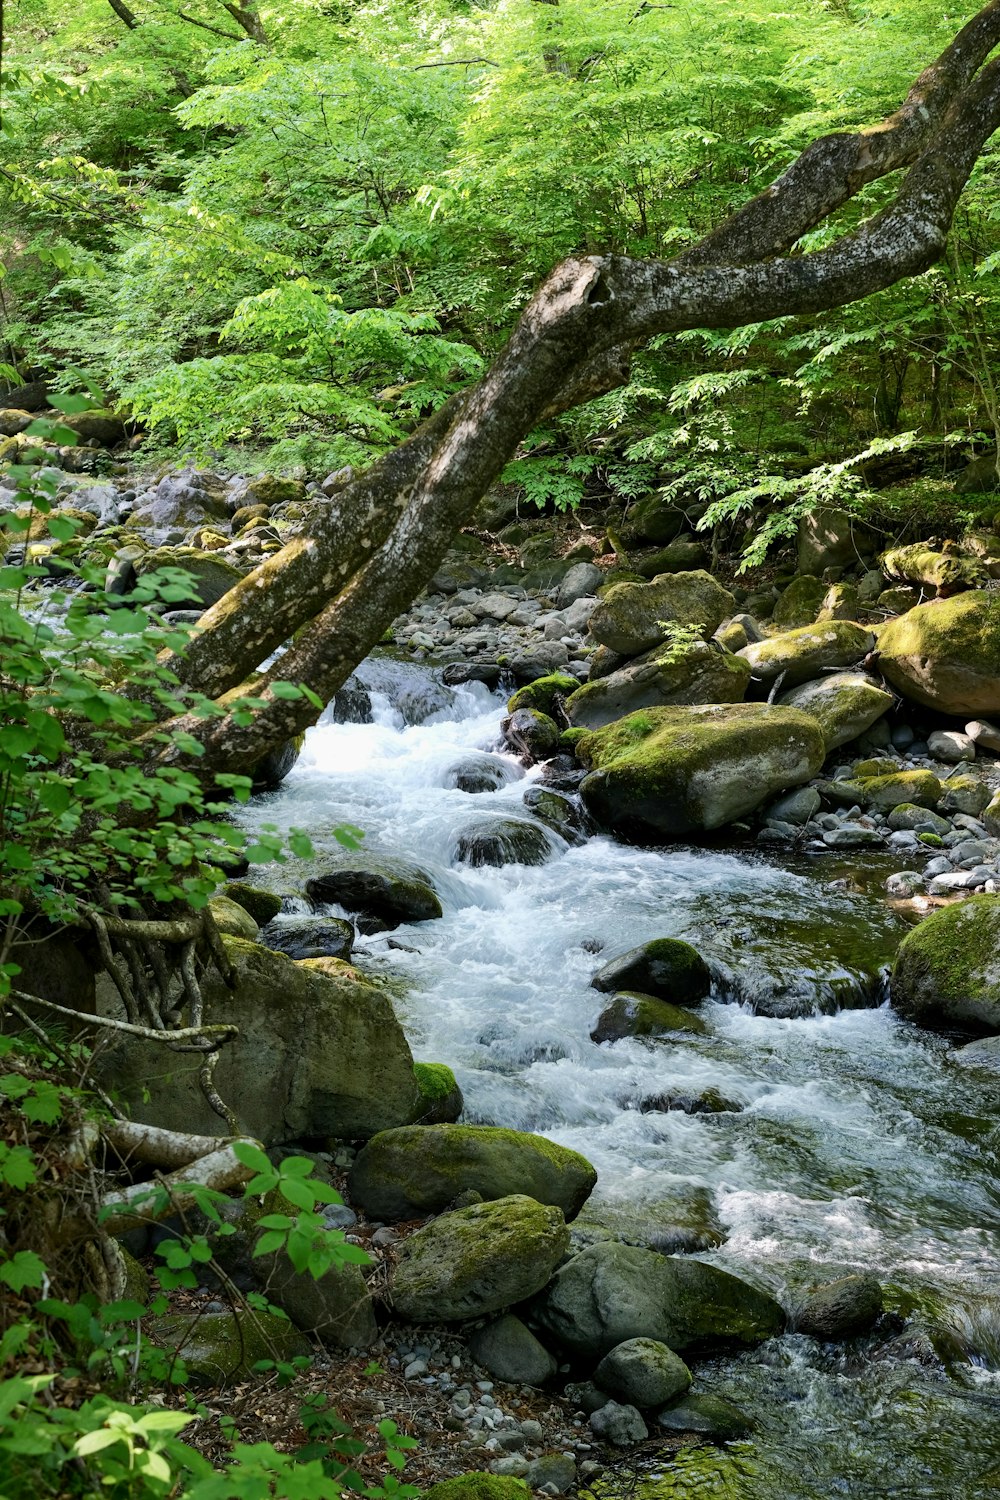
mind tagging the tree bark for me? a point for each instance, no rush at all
(381, 538)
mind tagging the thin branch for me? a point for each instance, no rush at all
(458, 62)
(230, 36)
(219, 1034)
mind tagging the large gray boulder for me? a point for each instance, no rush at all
(478, 1260)
(672, 771)
(319, 1053)
(947, 970)
(844, 704)
(611, 1292)
(418, 1170)
(831, 538)
(181, 501)
(388, 890)
(509, 1351)
(210, 576)
(796, 656)
(702, 674)
(630, 617)
(946, 655)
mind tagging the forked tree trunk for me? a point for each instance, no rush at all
(381, 539)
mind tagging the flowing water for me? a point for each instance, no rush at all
(855, 1144)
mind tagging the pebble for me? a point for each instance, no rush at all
(415, 1369)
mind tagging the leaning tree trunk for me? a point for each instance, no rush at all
(383, 536)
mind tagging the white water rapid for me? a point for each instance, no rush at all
(856, 1143)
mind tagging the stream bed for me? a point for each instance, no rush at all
(856, 1143)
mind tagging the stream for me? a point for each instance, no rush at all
(856, 1143)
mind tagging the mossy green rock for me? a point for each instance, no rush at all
(210, 576)
(440, 1099)
(964, 794)
(672, 771)
(947, 970)
(706, 1416)
(232, 918)
(631, 1014)
(680, 556)
(271, 490)
(630, 616)
(844, 705)
(796, 656)
(479, 1487)
(262, 905)
(882, 793)
(478, 1260)
(702, 674)
(219, 1347)
(319, 1053)
(418, 1170)
(946, 654)
(612, 1292)
(643, 1372)
(668, 968)
(800, 603)
(842, 1309)
(542, 693)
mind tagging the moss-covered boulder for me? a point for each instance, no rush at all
(701, 674)
(631, 1014)
(612, 1292)
(439, 1098)
(643, 1372)
(404, 1174)
(844, 704)
(97, 426)
(502, 841)
(946, 655)
(800, 603)
(630, 616)
(479, 1487)
(706, 1417)
(543, 693)
(947, 572)
(478, 1260)
(219, 1347)
(319, 1052)
(209, 576)
(964, 794)
(666, 968)
(657, 518)
(262, 905)
(232, 918)
(672, 771)
(531, 733)
(271, 490)
(882, 793)
(797, 656)
(388, 890)
(947, 970)
(841, 1309)
(681, 556)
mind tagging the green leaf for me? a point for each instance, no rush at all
(23, 1270)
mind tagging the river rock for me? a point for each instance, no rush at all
(907, 816)
(680, 556)
(947, 970)
(531, 733)
(643, 1373)
(796, 656)
(311, 937)
(800, 603)
(337, 1306)
(620, 1424)
(269, 772)
(509, 1351)
(481, 773)
(702, 674)
(478, 1260)
(657, 518)
(231, 918)
(883, 793)
(544, 694)
(562, 814)
(13, 420)
(184, 500)
(666, 968)
(983, 1054)
(388, 890)
(945, 654)
(479, 1487)
(209, 576)
(630, 615)
(796, 807)
(502, 841)
(671, 771)
(440, 1099)
(216, 1348)
(951, 747)
(844, 704)
(831, 538)
(319, 1053)
(582, 580)
(630, 1014)
(611, 1292)
(408, 1173)
(262, 905)
(985, 735)
(706, 1416)
(841, 1309)
(964, 794)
